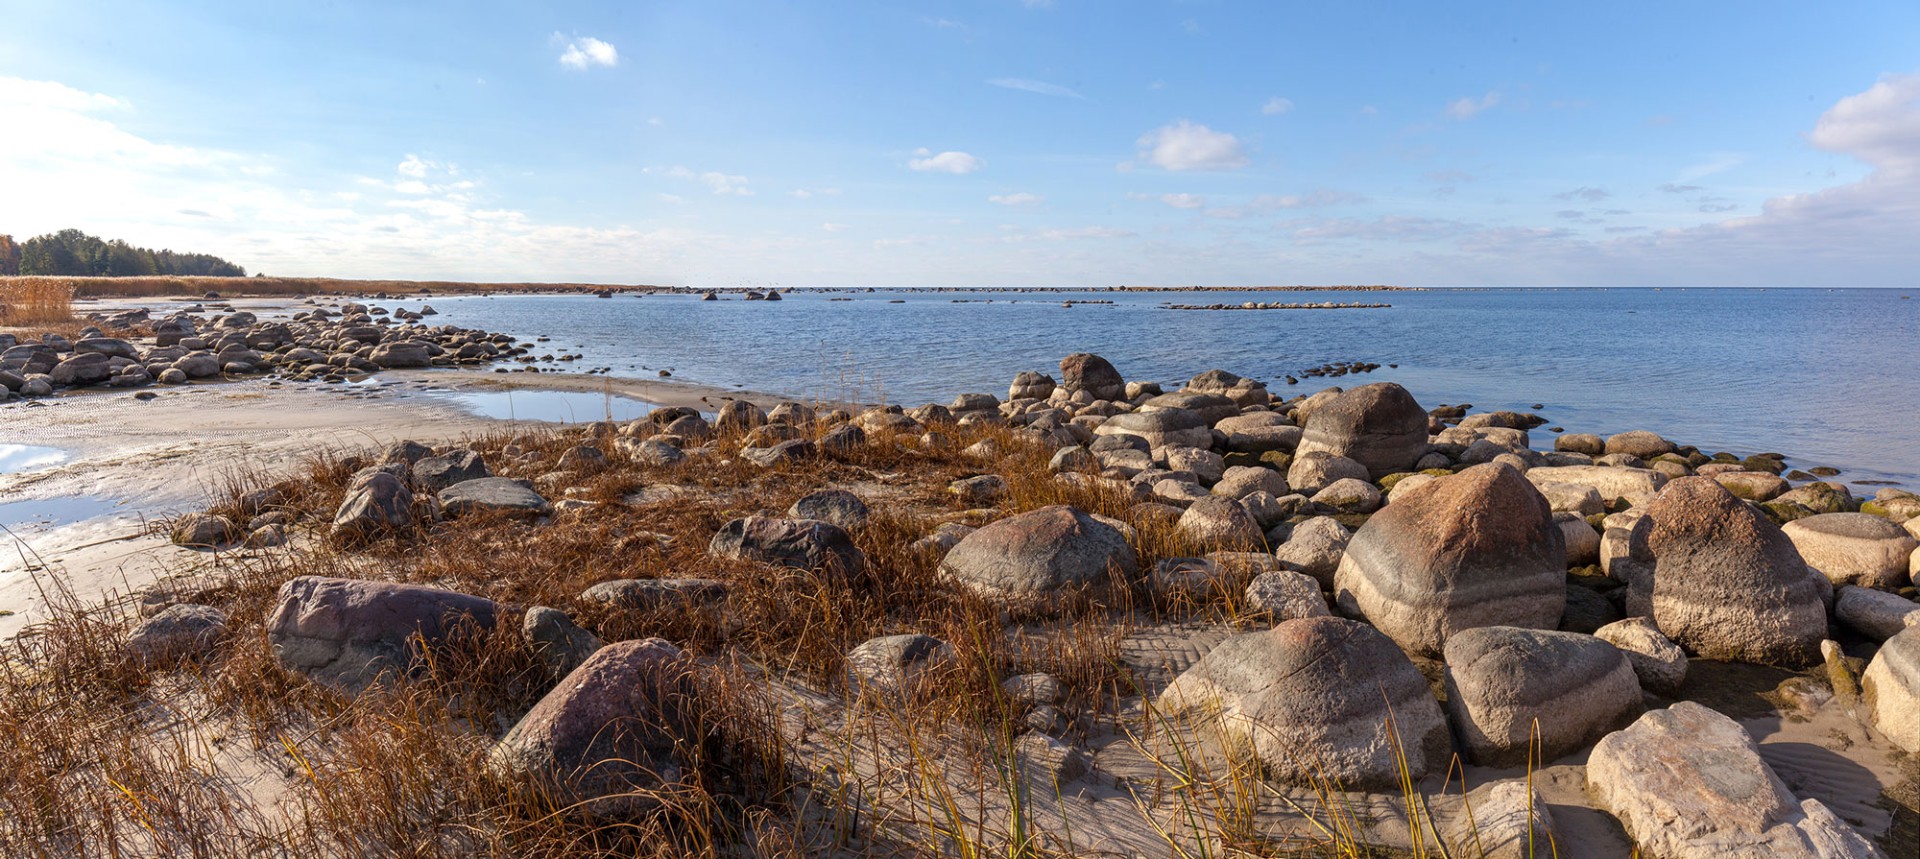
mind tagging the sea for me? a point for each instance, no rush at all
(1825, 376)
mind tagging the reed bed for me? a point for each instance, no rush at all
(236, 287)
(36, 300)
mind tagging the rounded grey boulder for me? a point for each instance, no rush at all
(1031, 557)
(1890, 688)
(1477, 548)
(1502, 682)
(806, 544)
(1853, 548)
(1378, 425)
(1316, 701)
(1727, 583)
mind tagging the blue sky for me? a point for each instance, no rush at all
(991, 143)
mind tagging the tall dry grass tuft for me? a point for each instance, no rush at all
(36, 301)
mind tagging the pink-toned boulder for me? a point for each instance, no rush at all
(353, 633)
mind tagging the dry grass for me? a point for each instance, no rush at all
(234, 755)
(232, 287)
(36, 300)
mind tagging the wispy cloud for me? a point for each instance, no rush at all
(1018, 198)
(1041, 87)
(959, 163)
(1591, 195)
(1467, 108)
(716, 181)
(1178, 201)
(1276, 106)
(1677, 188)
(585, 52)
(1189, 146)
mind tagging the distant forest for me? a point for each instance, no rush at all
(71, 253)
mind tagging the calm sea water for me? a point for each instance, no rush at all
(1824, 376)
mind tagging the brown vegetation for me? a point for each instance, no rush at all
(36, 300)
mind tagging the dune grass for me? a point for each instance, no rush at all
(234, 755)
(36, 301)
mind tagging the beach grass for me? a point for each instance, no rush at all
(232, 754)
(36, 301)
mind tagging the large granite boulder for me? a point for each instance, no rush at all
(434, 473)
(1609, 481)
(838, 506)
(1313, 471)
(1659, 663)
(1875, 614)
(1503, 683)
(1315, 548)
(1853, 548)
(1317, 700)
(1727, 583)
(604, 737)
(1029, 558)
(352, 633)
(1890, 688)
(1477, 548)
(1640, 443)
(805, 544)
(1214, 522)
(493, 494)
(1378, 425)
(894, 666)
(1092, 374)
(1160, 428)
(1211, 408)
(1687, 782)
(376, 503)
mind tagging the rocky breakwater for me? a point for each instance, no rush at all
(312, 345)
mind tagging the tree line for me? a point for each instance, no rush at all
(72, 253)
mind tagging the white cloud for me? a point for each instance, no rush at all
(1041, 87)
(833, 228)
(1187, 146)
(1467, 108)
(669, 198)
(945, 162)
(1276, 106)
(1880, 126)
(1018, 198)
(585, 52)
(717, 182)
(809, 193)
(1178, 201)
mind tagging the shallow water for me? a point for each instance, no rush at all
(42, 513)
(554, 406)
(1823, 376)
(27, 457)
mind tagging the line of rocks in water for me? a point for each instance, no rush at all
(1559, 594)
(1279, 305)
(186, 345)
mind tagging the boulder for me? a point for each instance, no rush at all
(1609, 481)
(497, 494)
(1349, 495)
(376, 503)
(434, 473)
(1286, 595)
(894, 666)
(1030, 385)
(556, 641)
(204, 531)
(351, 633)
(1318, 700)
(1579, 442)
(1510, 821)
(1211, 408)
(604, 737)
(1508, 688)
(1659, 663)
(1875, 614)
(1160, 428)
(1572, 498)
(1239, 481)
(1315, 548)
(181, 631)
(655, 594)
(1220, 523)
(1583, 543)
(1029, 558)
(84, 369)
(1752, 485)
(1091, 374)
(837, 506)
(1378, 425)
(805, 544)
(1477, 548)
(1727, 583)
(1853, 548)
(1313, 471)
(1890, 689)
(1688, 782)
(1640, 443)
(400, 354)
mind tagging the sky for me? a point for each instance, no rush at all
(992, 143)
